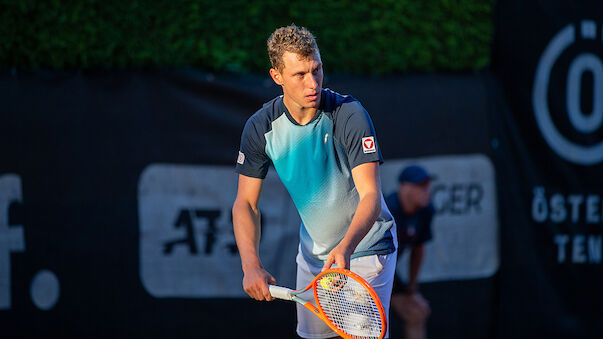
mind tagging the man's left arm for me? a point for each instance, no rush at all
(368, 184)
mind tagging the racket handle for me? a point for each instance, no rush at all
(280, 292)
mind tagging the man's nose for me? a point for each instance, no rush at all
(313, 82)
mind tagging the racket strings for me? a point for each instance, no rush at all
(349, 305)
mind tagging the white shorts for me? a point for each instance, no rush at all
(377, 270)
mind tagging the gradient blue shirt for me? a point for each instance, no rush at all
(314, 162)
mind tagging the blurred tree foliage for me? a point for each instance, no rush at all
(373, 36)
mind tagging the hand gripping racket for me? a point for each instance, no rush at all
(344, 301)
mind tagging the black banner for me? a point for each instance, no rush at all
(549, 56)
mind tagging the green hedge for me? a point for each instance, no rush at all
(376, 36)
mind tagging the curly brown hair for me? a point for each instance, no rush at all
(290, 39)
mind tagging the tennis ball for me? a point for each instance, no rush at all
(327, 282)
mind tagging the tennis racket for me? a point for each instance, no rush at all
(344, 301)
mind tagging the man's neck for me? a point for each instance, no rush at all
(302, 115)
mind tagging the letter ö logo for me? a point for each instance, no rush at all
(586, 124)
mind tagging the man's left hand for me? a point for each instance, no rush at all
(340, 256)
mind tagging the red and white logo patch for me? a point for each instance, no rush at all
(368, 145)
(241, 158)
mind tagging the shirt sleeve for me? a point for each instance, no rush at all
(252, 160)
(359, 137)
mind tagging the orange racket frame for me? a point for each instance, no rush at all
(288, 294)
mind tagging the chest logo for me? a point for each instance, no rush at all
(368, 145)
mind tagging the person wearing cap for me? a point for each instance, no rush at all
(413, 211)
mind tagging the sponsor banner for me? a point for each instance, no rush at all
(187, 245)
(550, 162)
(465, 226)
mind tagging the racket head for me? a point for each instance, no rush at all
(349, 304)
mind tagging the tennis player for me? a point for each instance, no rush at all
(325, 151)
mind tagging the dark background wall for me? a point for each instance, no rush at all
(91, 159)
(80, 170)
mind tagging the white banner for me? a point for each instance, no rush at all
(187, 245)
(465, 227)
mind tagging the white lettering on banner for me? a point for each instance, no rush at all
(582, 122)
(577, 209)
(457, 198)
(465, 227)
(583, 248)
(561, 240)
(11, 237)
(45, 290)
(575, 201)
(560, 208)
(187, 245)
(591, 121)
(592, 209)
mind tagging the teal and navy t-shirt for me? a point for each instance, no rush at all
(314, 162)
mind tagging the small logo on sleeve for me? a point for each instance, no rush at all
(241, 158)
(368, 145)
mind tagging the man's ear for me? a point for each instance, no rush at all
(276, 76)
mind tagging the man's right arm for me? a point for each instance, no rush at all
(416, 259)
(246, 224)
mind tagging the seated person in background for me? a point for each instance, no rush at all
(413, 211)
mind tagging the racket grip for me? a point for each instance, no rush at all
(279, 292)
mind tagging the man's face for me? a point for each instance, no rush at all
(417, 194)
(301, 79)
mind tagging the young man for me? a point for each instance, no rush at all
(324, 149)
(413, 211)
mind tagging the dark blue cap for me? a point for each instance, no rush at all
(414, 174)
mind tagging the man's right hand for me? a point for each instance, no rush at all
(255, 283)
